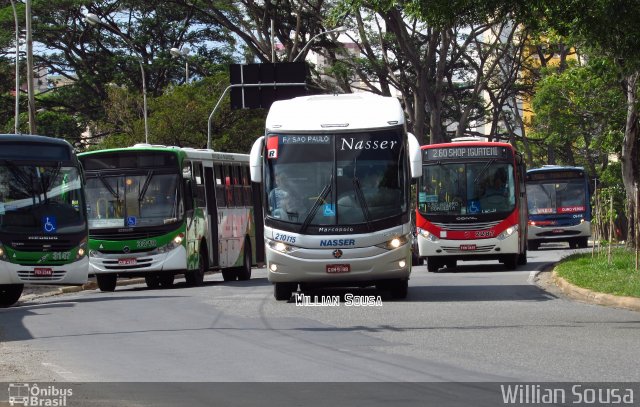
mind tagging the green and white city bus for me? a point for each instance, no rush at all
(157, 211)
(43, 222)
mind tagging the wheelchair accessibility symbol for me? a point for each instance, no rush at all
(49, 224)
(131, 221)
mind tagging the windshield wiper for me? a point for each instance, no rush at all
(475, 180)
(316, 205)
(363, 202)
(145, 186)
(52, 177)
(24, 180)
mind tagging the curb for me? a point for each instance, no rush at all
(91, 285)
(593, 297)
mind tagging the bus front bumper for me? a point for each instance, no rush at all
(358, 266)
(542, 233)
(492, 248)
(138, 263)
(75, 273)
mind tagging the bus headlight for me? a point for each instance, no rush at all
(395, 242)
(280, 246)
(175, 242)
(3, 254)
(427, 235)
(82, 250)
(508, 232)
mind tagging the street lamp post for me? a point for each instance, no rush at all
(182, 53)
(95, 20)
(335, 30)
(17, 106)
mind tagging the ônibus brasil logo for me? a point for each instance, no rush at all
(25, 394)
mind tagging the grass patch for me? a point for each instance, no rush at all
(596, 274)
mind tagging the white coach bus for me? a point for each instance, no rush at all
(337, 171)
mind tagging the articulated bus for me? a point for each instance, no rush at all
(157, 211)
(471, 204)
(337, 171)
(43, 220)
(559, 206)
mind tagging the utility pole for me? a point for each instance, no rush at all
(16, 119)
(30, 90)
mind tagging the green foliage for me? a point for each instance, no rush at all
(596, 273)
(581, 107)
(179, 117)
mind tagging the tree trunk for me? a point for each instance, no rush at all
(630, 152)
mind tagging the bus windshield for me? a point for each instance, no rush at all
(40, 198)
(133, 200)
(467, 188)
(546, 197)
(341, 179)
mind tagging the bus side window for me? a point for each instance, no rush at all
(246, 186)
(199, 184)
(221, 200)
(187, 174)
(226, 170)
(237, 185)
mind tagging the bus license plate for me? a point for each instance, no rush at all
(467, 247)
(127, 262)
(338, 268)
(42, 272)
(557, 231)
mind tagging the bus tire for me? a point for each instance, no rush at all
(511, 261)
(451, 263)
(522, 258)
(9, 294)
(532, 245)
(244, 272)
(152, 280)
(583, 242)
(195, 278)
(166, 280)
(107, 282)
(282, 291)
(433, 265)
(229, 274)
(399, 289)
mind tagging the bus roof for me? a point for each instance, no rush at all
(199, 153)
(469, 143)
(31, 138)
(545, 168)
(335, 113)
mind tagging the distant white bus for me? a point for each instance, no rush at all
(337, 171)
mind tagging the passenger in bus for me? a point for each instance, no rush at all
(498, 186)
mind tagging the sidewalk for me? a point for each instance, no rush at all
(37, 291)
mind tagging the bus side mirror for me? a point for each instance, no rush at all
(415, 156)
(255, 160)
(188, 195)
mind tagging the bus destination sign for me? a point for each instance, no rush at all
(554, 175)
(466, 152)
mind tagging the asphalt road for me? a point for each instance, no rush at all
(474, 323)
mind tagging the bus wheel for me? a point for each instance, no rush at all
(282, 291)
(244, 272)
(107, 282)
(196, 277)
(399, 289)
(583, 242)
(152, 280)
(229, 274)
(511, 261)
(532, 245)
(522, 258)
(432, 265)
(451, 264)
(166, 280)
(10, 293)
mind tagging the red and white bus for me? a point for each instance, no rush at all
(472, 204)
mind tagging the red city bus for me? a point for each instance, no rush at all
(472, 204)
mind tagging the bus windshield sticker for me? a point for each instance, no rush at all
(49, 224)
(131, 221)
(329, 210)
(474, 206)
(272, 147)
